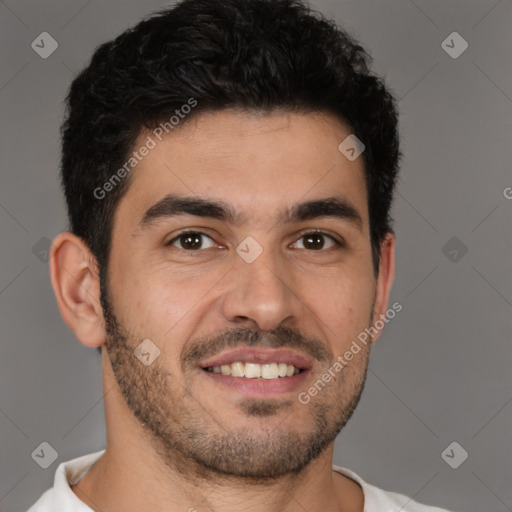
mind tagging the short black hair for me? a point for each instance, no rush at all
(262, 55)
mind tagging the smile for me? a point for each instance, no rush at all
(256, 371)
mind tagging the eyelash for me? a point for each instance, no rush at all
(338, 243)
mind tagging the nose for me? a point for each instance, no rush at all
(264, 292)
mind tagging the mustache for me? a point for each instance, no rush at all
(282, 337)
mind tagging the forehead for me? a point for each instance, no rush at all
(259, 164)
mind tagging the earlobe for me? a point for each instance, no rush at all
(76, 287)
(384, 280)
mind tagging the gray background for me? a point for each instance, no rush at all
(440, 372)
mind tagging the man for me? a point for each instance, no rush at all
(229, 169)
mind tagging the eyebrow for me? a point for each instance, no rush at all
(174, 205)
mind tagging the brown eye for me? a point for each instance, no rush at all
(315, 241)
(190, 241)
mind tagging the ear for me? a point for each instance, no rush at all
(73, 272)
(385, 280)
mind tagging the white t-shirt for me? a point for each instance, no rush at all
(60, 498)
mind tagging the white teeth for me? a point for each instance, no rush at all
(225, 369)
(252, 370)
(269, 371)
(237, 369)
(255, 371)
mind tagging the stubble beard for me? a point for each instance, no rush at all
(190, 440)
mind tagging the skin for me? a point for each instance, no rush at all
(261, 164)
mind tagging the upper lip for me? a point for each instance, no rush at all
(260, 356)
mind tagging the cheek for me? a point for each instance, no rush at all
(343, 303)
(159, 302)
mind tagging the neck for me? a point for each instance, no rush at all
(127, 481)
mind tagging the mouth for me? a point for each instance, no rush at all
(268, 371)
(258, 371)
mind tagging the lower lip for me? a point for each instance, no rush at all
(259, 388)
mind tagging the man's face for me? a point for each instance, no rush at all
(261, 288)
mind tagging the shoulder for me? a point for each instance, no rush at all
(60, 497)
(44, 503)
(380, 500)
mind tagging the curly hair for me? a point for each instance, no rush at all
(249, 54)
